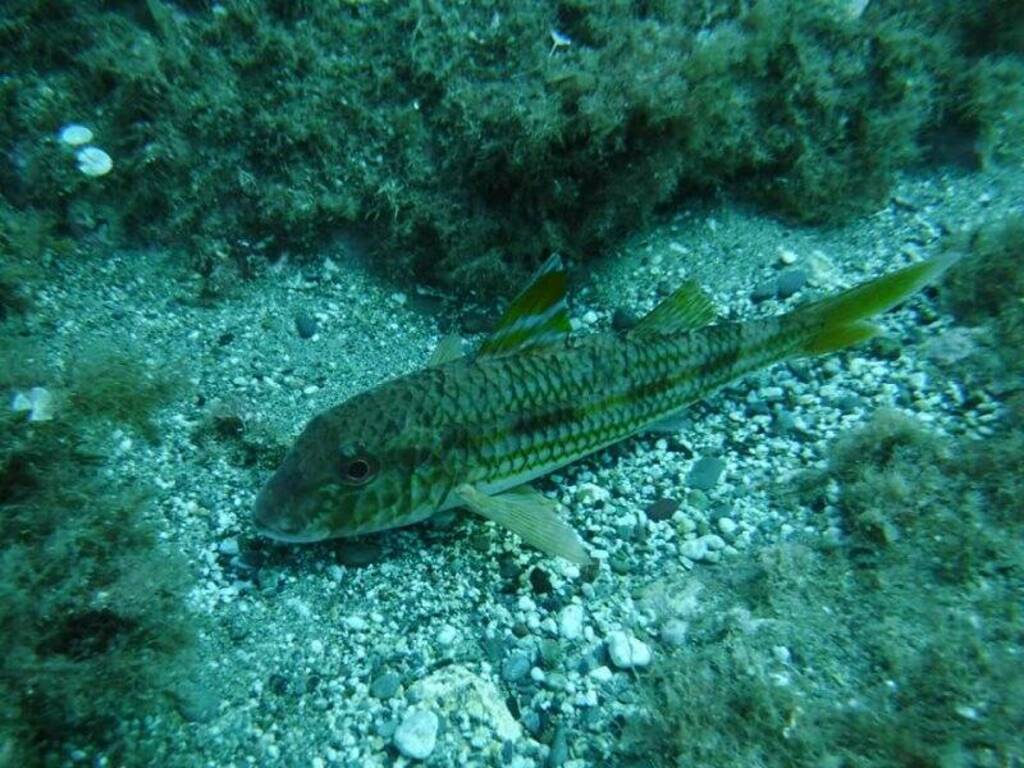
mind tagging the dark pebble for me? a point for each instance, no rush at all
(662, 509)
(305, 325)
(705, 473)
(385, 686)
(278, 684)
(789, 282)
(559, 748)
(763, 291)
(885, 348)
(623, 320)
(515, 667)
(540, 581)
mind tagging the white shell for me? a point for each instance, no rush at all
(75, 135)
(93, 161)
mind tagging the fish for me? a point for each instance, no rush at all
(473, 430)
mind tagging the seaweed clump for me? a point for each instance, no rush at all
(896, 645)
(470, 139)
(91, 602)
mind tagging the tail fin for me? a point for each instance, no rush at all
(841, 320)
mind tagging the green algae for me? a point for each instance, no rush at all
(94, 628)
(470, 140)
(894, 646)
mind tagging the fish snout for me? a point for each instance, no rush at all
(274, 513)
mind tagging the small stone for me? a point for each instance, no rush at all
(763, 291)
(447, 635)
(694, 549)
(601, 674)
(37, 401)
(789, 282)
(626, 651)
(705, 473)
(727, 526)
(559, 753)
(590, 317)
(540, 581)
(515, 667)
(623, 320)
(787, 257)
(416, 735)
(93, 161)
(570, 622)
(662, 509)
(385, 686)
(305, 325)
(228, 547)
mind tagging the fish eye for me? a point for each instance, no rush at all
(358, 470)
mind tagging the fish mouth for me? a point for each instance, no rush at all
(272, 519)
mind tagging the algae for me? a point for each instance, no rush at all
(896, 645)
(91, 601)
(467, 141)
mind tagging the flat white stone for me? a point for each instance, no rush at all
(416, 735)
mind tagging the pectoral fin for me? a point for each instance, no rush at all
(529, 515)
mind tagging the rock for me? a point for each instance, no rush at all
(540, 581)
(662, 509)
(305, 325)
(789, 282)
(705, 472)
(694, 549)
(763, 291)
(727, 526)
(570, 622)
(559, 748)
(626, 651)
(416, 736)
(515, 667)
(385, 686)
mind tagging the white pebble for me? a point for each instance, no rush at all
(626, 651)
(590, 317)
(37, 401)
(727, 526)
(601, 674)
(570, 621)
(416, 735)
(694, 549)
(446, 636)
(75, 135)
(787, 256)
(93, 161)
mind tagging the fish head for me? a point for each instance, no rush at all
(349, 472)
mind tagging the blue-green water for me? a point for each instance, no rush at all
(217, 220)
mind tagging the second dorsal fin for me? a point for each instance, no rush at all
(536, 318)
(686, 309)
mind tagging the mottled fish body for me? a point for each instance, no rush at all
(473, 431)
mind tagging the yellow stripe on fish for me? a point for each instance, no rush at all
(473, 431)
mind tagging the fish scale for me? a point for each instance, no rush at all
(590, 393)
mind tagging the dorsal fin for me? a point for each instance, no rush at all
(686, 309)
(536, 318)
